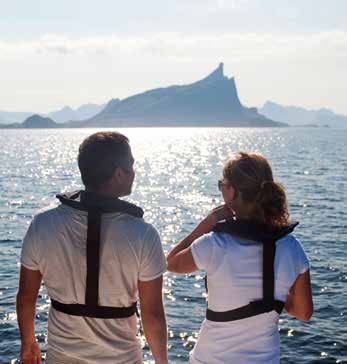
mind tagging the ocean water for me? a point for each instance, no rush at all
(176, 175)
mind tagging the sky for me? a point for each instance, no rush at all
(71, 52)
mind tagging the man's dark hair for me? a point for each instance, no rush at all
(99, 155)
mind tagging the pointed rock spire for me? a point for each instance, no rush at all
(217, 74)
(220, 68)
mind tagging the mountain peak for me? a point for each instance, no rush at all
(221, 68)
(217, 74)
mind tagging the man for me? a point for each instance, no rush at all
(95, 254)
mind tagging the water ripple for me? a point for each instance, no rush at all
(177, 170)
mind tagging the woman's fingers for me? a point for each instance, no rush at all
(219, 208)
(230, 208)
(223, 212)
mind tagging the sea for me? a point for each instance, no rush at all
(176, 183)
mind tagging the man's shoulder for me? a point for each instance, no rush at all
(135, 224)
(46, 213)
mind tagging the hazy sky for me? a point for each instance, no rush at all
(56, 53)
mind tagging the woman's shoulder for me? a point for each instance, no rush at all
(289, 242)
(290, 249)
(223, 240)
(213, 241)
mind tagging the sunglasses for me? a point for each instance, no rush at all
(221, 183)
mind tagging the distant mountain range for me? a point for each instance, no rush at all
(212, 101)
(83, 112)
(60, 116)
(298, 116)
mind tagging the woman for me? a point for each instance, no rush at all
(236, 330)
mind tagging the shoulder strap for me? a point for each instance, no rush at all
(269, 251)
(93, 258)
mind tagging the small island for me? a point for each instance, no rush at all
(34, 122)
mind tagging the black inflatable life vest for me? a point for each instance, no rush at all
(254, 231)
(95, 205)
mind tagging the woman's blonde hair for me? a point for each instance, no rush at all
(251, 175)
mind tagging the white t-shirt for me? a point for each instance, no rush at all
(130, 250)
(234, 270)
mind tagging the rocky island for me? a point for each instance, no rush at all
(210, 102)
(33, 122)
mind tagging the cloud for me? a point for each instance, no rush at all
(233, 46)
(303, 68)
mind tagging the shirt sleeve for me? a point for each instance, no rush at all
(153, 262)
(301, 258)
(291, 260)
(29, 253)
(203, 251)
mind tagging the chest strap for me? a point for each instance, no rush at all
(91, 307)
(103, 312)
(268, 302)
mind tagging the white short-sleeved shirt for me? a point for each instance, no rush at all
(130, 250)
(234, 269)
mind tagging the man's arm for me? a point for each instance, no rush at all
(153, 318)
(299, 300)
(29, 285)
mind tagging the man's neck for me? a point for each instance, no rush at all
(104, 193)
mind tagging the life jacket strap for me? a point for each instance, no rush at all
(93, 258)
(95, 206)
(103, 312)
(268, 303)
(252, 309)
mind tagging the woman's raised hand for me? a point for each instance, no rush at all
(180, 258)
(222, 212)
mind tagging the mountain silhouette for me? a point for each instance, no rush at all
(83, 112)
(37, 121)
(299, 116)
(212, 101)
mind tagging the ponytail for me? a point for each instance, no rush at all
(251, 175)
(271, 204)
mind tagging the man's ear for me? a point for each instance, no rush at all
(117, 176)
